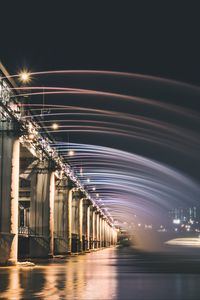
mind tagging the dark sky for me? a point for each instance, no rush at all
(150, 38)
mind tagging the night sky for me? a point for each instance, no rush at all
(150, 38)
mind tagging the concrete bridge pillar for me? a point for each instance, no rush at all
(77, 221)
(51, 213)
(69, 220)
(111, 236)
(114, 236)
(9, 194)
(103, 233)
(97, 229)
(42, 212)
(93, 229)
(88, 228)
(107, 235)
(80, 224)
(100, 231)
(61, 217)
(86, 224)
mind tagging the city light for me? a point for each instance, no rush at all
(176, 221)
(94, 189)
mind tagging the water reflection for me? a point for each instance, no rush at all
(158, 276)
(90, 276)
(159, 287)
(111, 274)
(10, 287)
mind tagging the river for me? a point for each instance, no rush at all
(114, 273)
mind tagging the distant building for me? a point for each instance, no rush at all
(185, 219)
(185, 214)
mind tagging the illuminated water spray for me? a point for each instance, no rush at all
(135, 139)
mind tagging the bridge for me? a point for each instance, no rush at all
(44, 208)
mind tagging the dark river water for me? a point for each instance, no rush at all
(108, 274)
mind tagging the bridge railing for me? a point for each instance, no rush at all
(24, 230)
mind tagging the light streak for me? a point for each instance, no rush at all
(131, 184)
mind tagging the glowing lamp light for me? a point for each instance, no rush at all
(94, 189)
(176, 221)
(24, 76)
(88, 180)
(71, 152)
(97, 195)
(31, 136)
(55, 126)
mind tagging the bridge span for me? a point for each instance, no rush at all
(44, 208)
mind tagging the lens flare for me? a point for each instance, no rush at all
(24, 76)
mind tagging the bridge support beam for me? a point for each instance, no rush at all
(69, 221)
(100, 231)
(97, 230)
(77, 221)
(106, 233)
(42, 214)
(86, 225)
(61, 217)
(91, 228)
(80, 225)
(9, 193)
(74, 223)
(93, 242)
